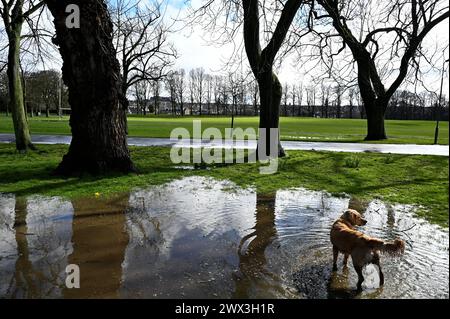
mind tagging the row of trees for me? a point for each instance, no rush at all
(197, 92)
(231, 94)
(225, 95)
(43, 93)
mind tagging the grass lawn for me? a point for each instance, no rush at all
(292, 128)
(404, 179)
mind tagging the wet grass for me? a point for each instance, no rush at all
(292, 128)
(406, 179)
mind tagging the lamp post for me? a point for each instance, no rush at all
(436, 131)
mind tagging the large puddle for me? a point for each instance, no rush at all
(201, 238)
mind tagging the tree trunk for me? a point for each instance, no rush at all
(92, 74)
(269, 115)
(16, 101)
(375, 112)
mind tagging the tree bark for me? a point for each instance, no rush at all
(92, 74)
(16, 101)
(375, 112)
(269, 114)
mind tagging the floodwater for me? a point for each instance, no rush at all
(413, 149)
(202, 238)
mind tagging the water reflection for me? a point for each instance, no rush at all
(253, 279)
(99, 240)
(184, 237)
(201, 238)
(23, 284)
(8, 244)
(35, 246)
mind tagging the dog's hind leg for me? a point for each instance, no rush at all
(376, 261)
(360, 277)
(335, 257)
(345, 260)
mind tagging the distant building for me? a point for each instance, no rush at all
(162, 105)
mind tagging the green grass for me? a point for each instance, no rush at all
(292, 128)
(405, 179)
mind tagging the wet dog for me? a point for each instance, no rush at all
(363, 249)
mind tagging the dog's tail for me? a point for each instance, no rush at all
(396, 247)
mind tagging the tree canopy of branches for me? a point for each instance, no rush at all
(140, 38)
(377, 33)
(273, 21)
(14, 13)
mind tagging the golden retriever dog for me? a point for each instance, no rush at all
(363, 249)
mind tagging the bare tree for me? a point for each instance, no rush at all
(254, 91)
(299, 89)
(338, 101)
(273, 21)
(199, 77)
(325, 94)
(141, 95)
(261, 60)
(170, 85)
(140, 38)
(92, 73)
(180, 88)
(14, 14)
(293, 98)
(234, 83)
(311, 100)
(375, 32)
(42, 89)
(217, 92)
(156, 89)
(352, 92)
(285, 98)
(209, 91)
(191, 91)
(225, 94)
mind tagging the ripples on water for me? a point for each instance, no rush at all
(201, 238)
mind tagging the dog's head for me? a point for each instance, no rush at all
(353, 217)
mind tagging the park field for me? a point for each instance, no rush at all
(292, 128)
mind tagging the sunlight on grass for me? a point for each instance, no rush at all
(292, 128)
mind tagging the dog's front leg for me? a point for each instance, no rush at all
(335, 257)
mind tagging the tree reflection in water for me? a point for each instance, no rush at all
(253, 278)
(99, 241)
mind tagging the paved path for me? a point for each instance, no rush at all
(440, 150)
